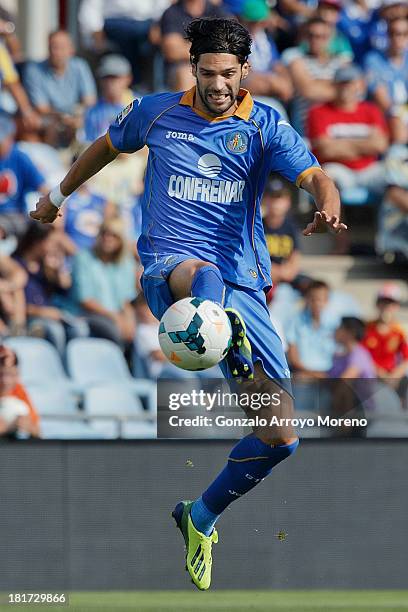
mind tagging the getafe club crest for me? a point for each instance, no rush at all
(237, 142)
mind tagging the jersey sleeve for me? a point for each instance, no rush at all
(287, 153)
(127, 133)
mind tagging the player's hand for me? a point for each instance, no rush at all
(322, 222)
(45, 211)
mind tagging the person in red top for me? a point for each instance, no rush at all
(348, 135)
(386, 341)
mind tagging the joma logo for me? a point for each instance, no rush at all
(180, 135)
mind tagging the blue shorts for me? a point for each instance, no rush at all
(266, 344)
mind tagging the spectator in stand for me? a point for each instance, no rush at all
(18, 417)
(392, 237)
(47, 280)
(351, 375)
(83, 215)
(147, 339)
(387, 12)
(115, 76)
(297, 11)
(354, 360)
(348, 135)
(268, 78)
(329, 11)
(312, 70)
(10, 81)
(310, 334)
(18, 176)
(13, 279)
(387, 343)
(388, 79)
(124, 25)
(356, 22)
(175, 48)
(104, 285)
(281, 233)
(59, 86)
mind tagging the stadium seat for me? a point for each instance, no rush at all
(95, 361)
(57, 429)
(385, 403)
(133, 430)
(40, 364)
(52, 400)
(113, 401)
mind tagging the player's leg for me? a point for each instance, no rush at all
(174, 277)
(203, 280)
(197, 278)
(254, 457)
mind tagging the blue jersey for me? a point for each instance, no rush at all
(18, 176)
(205, 179)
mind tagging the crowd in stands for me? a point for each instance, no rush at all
(336, 69)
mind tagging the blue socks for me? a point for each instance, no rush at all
(203, 519)
(208, 284)
(250, 461)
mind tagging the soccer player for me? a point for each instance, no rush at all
(211, 150)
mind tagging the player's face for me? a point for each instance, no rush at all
(219, 77)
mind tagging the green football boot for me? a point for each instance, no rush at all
(198, 546)
(239, 356)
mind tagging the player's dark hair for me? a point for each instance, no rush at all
(209, 35)
(354, 326)
(316, 284)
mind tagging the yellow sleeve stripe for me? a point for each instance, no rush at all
(306, 173)
(110, 145)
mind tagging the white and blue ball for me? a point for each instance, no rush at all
(195, 334)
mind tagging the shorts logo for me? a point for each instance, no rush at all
(253, 273)
(124, 113)
(237, 142)
(210, 165)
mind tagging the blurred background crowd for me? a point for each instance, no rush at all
(337, 69)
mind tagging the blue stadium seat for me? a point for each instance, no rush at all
(95, 361)
(52, 400)
(40, 364)
(112, 401)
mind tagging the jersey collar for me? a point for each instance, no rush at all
(242, 112)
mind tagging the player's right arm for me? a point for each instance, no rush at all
(93, 159)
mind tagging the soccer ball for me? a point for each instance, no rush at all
(195, 334)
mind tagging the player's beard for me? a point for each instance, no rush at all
(213, 106)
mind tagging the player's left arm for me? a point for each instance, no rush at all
(327, 200)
